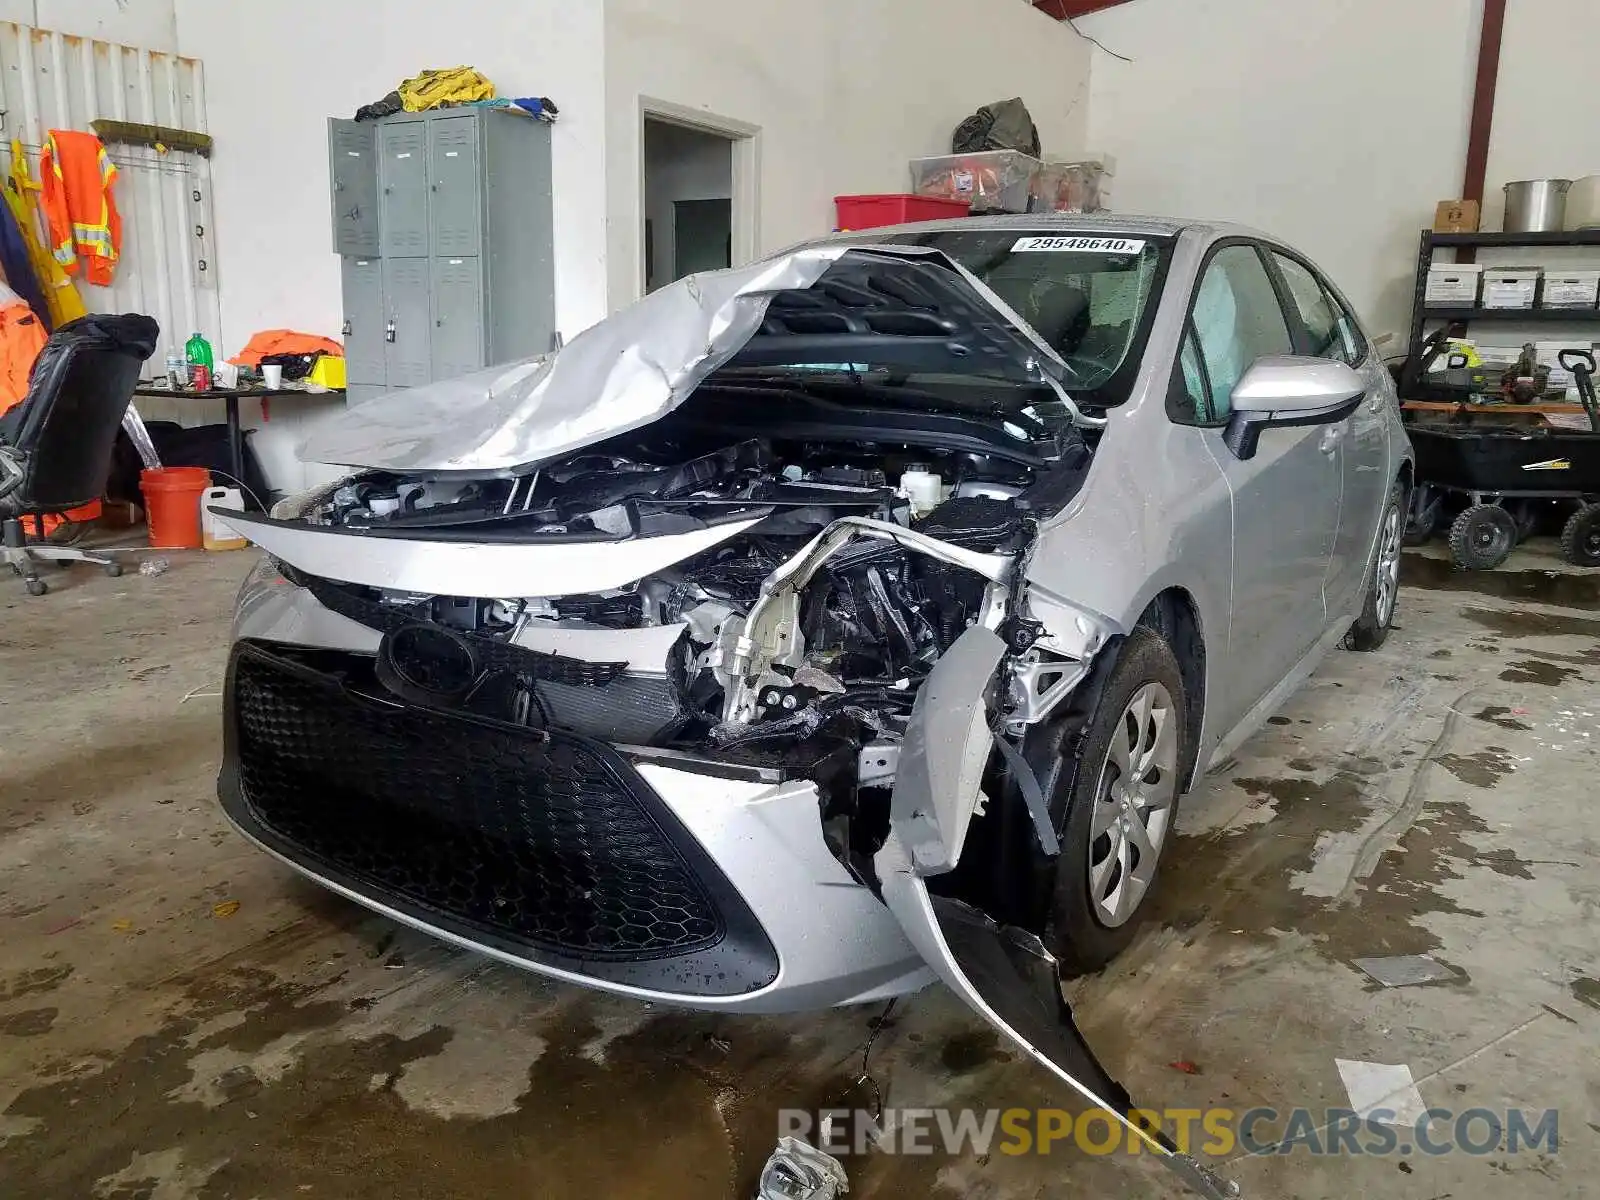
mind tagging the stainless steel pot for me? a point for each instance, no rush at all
(1536, 205)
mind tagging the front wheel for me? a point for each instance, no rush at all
(1482, 538)
(1371, 628)
(1120, 805)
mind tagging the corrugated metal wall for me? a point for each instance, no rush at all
(168, 265)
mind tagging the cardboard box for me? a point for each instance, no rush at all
(1570, 289)
(1453, 284)
(1456, 216)
(1511, 287)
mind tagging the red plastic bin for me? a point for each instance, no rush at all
(871, 212)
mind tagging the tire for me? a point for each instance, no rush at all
(1580, 539)
(1482, 537)
(1422, 517)
(1371, 628)
(1092, 916)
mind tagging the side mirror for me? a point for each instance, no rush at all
(1289, 390)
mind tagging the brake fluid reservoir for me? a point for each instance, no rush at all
(922, 488)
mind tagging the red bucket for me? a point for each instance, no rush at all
(172, 502)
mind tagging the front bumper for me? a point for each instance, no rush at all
(661, 879)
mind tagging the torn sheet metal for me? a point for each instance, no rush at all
(946, 748)
(630, 369)
(1009, 979)
(1004, 974)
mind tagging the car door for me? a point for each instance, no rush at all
(1285, 498)
(1325, 328)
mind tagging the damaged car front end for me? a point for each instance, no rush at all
(691, 661)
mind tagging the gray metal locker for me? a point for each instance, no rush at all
(353, 167)
(458, 342)
(407, 295)
(364, 320)
(462, 270)
(403, 175)
(457, 185)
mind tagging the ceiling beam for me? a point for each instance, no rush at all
(1064, 10)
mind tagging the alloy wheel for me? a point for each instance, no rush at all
(1388, 581)
(1133, 804)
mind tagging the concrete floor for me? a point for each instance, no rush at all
(181, 1017)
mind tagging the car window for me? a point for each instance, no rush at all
(1196, 393)
(1332, 330)
(1236, 320)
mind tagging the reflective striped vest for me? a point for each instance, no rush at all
(78, 176)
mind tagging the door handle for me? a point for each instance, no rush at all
(388, 332)
(1331, 437)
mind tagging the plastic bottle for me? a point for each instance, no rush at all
(198, 352)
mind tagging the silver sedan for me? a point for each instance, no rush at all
(817, 629)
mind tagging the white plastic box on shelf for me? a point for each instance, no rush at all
(1570, 289)
(1511, 287)
(1453, 284)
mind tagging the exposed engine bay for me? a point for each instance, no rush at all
(798, 644)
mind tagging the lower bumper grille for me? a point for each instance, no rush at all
(541, 842)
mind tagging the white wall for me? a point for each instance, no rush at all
(1337, 126)
(1547, 110)
(843, 95)
(276, 71)
(680, 164)
(148, 24)
(1334, 126)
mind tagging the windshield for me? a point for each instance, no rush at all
(1088, 295)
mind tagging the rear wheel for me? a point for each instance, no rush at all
(1120, 805)
(1482, 537)
(1580, 540)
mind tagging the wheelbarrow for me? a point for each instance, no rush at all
(1504, 473)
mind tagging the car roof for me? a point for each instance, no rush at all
(1093, 223)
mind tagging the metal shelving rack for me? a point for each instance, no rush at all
(1421, 314)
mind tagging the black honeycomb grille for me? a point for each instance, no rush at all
(546, 841)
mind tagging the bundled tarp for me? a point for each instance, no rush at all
(444, 86)
(1003, 125)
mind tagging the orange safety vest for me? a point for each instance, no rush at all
(78, 204)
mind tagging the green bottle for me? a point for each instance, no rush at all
(198, 352)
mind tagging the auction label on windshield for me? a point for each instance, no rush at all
(1078, 245)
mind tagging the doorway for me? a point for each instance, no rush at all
(688, 202)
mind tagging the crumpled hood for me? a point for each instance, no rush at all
(630, 369)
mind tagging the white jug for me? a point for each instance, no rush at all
(215, 531)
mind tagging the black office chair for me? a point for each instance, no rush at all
(55, 447)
